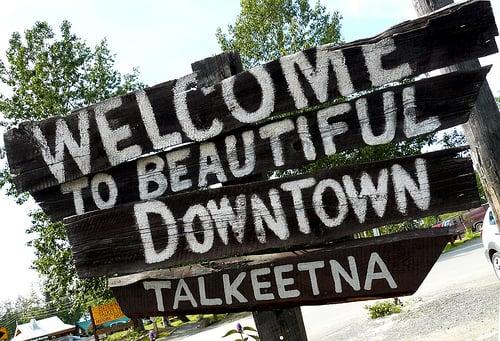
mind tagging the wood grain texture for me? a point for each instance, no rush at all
(287, 323)
(448, 98)
(459, 33)
(482, 131)
(266, 216)
(408, 257)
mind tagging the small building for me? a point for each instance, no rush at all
(46, 329)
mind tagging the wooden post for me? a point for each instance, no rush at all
(166, 321)
(94, 327)
(482, 131)
(155, 325)
(282, 324)
(138, 324)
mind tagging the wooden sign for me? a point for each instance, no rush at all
(4, 333)
(105, 135)
(106, 312)
(132, 174)
(388, 115)
(364, 269)
(281, 214)
(102, 317)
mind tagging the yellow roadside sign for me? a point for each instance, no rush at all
(4, 333)
(106, 312)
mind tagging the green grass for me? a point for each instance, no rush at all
(131, 335)
(381, 309)
(467, 236)
(126, 335)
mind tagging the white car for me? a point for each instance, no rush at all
(490, 234)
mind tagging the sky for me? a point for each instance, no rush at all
(162, 39)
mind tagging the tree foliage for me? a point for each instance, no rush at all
(268, 29)
(51, 73)
(23, 309)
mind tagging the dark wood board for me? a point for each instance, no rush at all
(458, 33)
(275, 281)
(448, 98)
(265, 216)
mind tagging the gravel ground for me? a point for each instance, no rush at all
(454, 318)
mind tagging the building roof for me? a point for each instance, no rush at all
(37, 329)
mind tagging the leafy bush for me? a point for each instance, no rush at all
(382, 309)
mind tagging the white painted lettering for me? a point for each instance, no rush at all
(176, 170)
(311, 268)
(154, 175)
(273, 131)
(184, 116)
(295, 188)
(141, 211)
(377, 195)
(149, 120)
(403, 182)
(188, 296)
(224, 215)
(64, 138)
(282, 283)
(111, 137)
(317, 77)
(338, 270)
(203, 215)
(232, 154)
(231, 289)
(374, 53)
(389, 116)
(266, 105)
(329, 131)
(384, 273)
(411, 126)
(319, 205)
(305, 138)
(106, 179)
(157, 286)
(210, 164)
(204, 300)
(261, 214)
(76, 187)
(258, 286)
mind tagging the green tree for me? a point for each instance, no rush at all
(25, 308)
(51, 73)
(268, 29)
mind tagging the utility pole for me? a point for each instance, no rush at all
(483, 129)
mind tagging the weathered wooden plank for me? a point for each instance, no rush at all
(120, 129)
(482, 131)
(381, 267)
(435, 103)
(282, 214)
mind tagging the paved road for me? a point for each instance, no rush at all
(459, 275)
